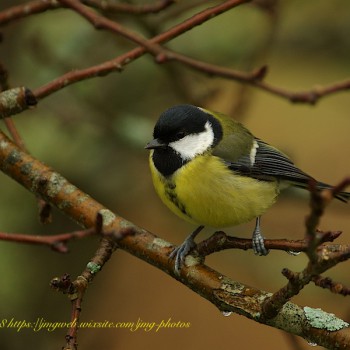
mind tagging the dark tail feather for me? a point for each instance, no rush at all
(342, 196)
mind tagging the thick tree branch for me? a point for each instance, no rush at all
(226, 294)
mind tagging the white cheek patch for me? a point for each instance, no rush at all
(192, 145)
(253, 153)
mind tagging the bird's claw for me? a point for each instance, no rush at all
(180, 253)
(259, 245)
(258, 240)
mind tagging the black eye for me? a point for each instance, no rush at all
(180, 134)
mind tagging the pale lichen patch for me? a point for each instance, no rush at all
(3, 144)
(69, 189)
(324, 320)
(55, 184)
(159, 242)
(35, 177)
(83, 198)
(107, 217)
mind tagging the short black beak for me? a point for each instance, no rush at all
(154, 144)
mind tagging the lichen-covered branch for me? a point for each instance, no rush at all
(224, 293)
(15, 101)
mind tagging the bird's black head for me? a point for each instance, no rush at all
(182, 120)
(182, 133)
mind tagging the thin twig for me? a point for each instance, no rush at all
(76, 289)
(119, 62)
(220, 241)
(163, 55)
(254, 79)
(30, 8)
(328, 283)
(321, 259)
(39, 6)
(55, 242)
(111, 7)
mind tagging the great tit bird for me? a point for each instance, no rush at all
(211, 171)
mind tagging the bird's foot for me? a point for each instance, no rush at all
(258, 240)
(180, 252)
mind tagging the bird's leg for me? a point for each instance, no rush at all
(180, 252)
(258, 240)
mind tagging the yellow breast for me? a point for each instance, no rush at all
(206, 192)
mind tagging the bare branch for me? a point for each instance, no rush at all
(163, 55)
(76, 289)
(110, 7)
(55, 242)
(38, 6)
(328, 283)
(220, 241)
(119, 62)
(321, 259)
(28, 9)
(309, 96)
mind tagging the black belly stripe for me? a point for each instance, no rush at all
(172, 196)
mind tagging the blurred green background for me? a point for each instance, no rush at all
(94, 132)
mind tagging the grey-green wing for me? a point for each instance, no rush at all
(269, 164)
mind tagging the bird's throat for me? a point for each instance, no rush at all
(167, 161)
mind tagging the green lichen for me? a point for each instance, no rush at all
(323, 320)
(93, 267)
